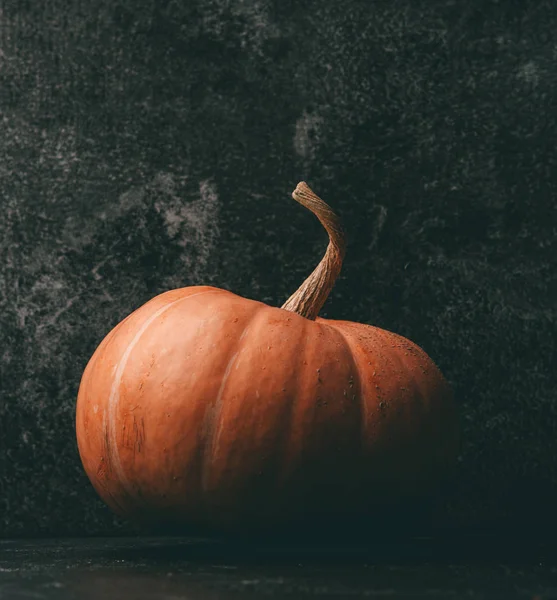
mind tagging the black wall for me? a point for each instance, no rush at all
(148, 145)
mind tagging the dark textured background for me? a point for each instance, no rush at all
(152, 144)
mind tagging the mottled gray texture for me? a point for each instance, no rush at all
(151, 145)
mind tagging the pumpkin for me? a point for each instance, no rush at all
(209, 410)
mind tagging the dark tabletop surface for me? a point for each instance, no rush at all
(178, 568)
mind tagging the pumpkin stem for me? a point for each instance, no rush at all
(309, 298)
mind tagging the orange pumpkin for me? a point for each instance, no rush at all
(204, 408)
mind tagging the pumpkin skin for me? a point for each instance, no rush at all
(210, 410)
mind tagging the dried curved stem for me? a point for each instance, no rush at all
(309, 298)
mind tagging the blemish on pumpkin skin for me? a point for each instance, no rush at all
(101, 469)
(139, 432)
